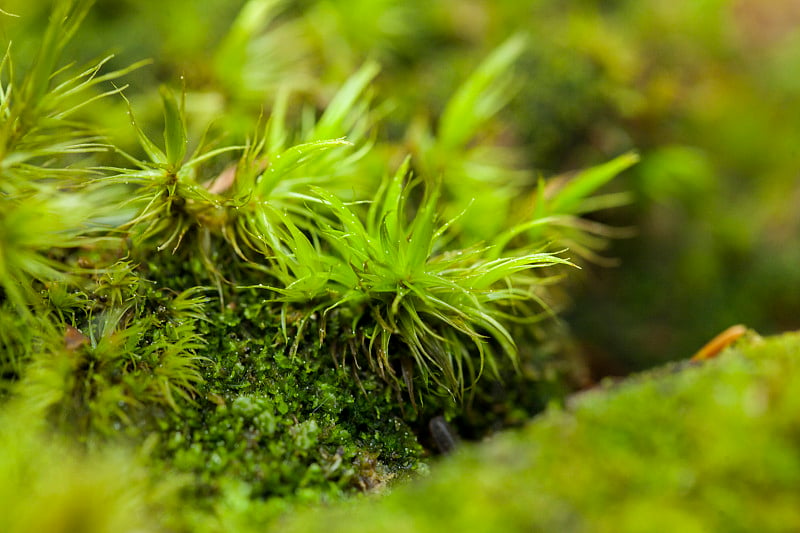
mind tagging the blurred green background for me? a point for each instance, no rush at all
(707, 91)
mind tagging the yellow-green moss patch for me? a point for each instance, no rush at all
(711, 447)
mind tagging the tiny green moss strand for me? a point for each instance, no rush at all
(291, 159)
(391, 200)
(155, 154)
(499, 269)
(568, 199)
(420, 237)
(332, 122)
(277, 134)
(482, 95)
(175, 139)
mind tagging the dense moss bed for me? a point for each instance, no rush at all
(700, 447)
(709, 446)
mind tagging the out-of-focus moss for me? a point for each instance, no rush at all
(48, 485)
(702, 90)
(711, 447)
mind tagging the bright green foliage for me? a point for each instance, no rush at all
(684, 448)
(553, 211)
(31, 225)
(41, 148)
(274, 177)
(259, 55)
(170, 199)
(274, 190)
(420, 306)
(118, 286)
(479, 98)
(174, 196)
(477, 176)
(493, 200)
(440, 304)
(36, 111)
(385, 291)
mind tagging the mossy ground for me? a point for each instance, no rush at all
(708, 447)
(266, 438)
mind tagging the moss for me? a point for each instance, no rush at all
(270, 430)
(686, 447)
(115, 342)
(50, 485)
(712, 447)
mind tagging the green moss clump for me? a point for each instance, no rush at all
(712, 447)
(276, 429)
